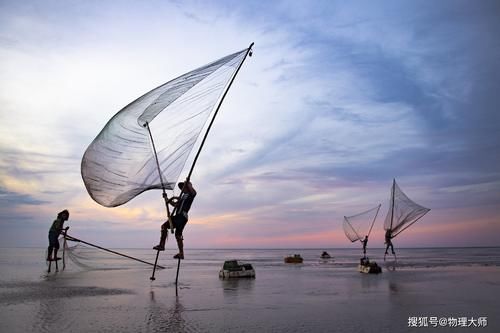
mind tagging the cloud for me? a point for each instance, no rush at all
(338, 99)
(9, 198)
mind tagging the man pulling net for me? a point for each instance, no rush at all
(54, 232)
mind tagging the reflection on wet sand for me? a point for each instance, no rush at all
(236, 287)
(167, 318)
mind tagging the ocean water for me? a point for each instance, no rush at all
(107, 293)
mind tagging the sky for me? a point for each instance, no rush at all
(338, 99)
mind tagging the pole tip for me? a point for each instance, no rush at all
(152, 278)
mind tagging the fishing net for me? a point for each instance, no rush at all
(82, 256)
(358, 226)
(120, 163)
(86, 257)
(403, 211)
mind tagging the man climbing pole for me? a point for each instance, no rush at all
(54, 232)
(388, 243)
(182, 204)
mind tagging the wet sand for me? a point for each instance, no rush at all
(312, 297)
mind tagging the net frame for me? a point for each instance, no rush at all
(353, 224)
(120, 163)
(403, 212)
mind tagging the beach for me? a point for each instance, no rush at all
(316, 296)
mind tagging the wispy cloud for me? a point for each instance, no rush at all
(337, 100)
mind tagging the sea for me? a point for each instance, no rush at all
(423, 289)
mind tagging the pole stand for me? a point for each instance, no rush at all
(177, 275)
(152, 278)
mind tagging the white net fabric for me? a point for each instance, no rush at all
(403, 212)
(358, 226)
(120, 163)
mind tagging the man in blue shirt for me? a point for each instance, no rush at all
(54, 232)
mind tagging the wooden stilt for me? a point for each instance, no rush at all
(152, 278)
(177, 275)
(50, 265)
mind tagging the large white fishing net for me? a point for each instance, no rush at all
(120, 163)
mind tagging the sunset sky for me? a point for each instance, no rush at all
(339, 98)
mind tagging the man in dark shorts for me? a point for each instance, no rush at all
(364, 241)
(54, 232)
(388, 243)
(182, 204)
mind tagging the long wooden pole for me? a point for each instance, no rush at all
(206, 135)
(373, 222)
(216, 111)
(64, 247)
(392, 211)
(161, 177)
(197, 153)
(165, 197)
(71, 238)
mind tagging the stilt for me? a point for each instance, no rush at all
(152, 278)
(50, 265)
(177, 275)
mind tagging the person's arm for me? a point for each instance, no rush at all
(173, 201)
(60, 228)
(190, 188)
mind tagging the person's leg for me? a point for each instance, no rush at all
(180, 223)
(180, 245)
(56, 247)
(163, 237)
(53, 242)
(49, 253)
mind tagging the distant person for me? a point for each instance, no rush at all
(54, 232)
(364, 241)
(181, 204)
(388, 243)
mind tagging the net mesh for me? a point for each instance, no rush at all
(403, 211)
(120, 163)
(358, 226)
(83, 257)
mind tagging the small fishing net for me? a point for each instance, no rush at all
(356, 227)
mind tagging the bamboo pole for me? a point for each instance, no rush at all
(108, 250)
